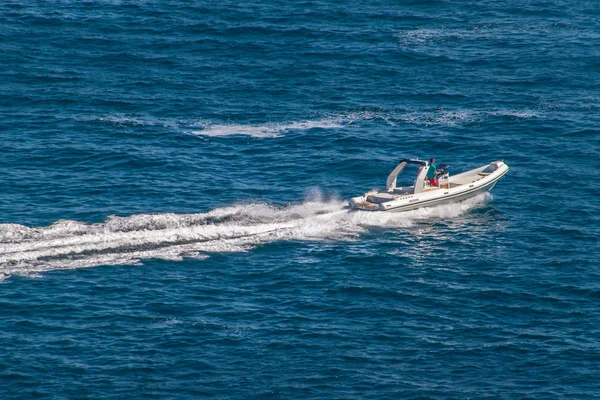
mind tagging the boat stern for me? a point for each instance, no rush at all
(361, 203)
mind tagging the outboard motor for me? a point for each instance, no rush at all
(442, 169)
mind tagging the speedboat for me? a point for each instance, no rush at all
(420, 193)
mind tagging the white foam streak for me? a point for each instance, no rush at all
(269, 130)
(265, 130)
(137, 120)
(436, 117)
(442, 35)
(127, 240)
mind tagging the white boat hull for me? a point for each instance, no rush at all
(458, 188)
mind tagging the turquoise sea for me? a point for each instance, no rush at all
(173, 186)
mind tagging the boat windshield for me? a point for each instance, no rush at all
(408, 176)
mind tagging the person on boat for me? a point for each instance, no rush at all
(432, 173)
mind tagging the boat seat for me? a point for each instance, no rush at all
(403, 192)
(381, 197)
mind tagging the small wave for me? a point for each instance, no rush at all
(450, 117)
(446, 35)
(269, 130)
(238, 228)
(442, 35)
(428, 117)
(440, 117)
(136, 120)
(514, 113)
(431, 117)
(260, 132)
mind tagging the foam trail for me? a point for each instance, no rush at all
(443, 117)
(266, 130)
(427, 117)
(128, 240)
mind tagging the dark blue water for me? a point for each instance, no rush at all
(172, 186)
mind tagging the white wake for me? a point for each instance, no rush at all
(451, 117)
(269, 130)
(238, 228)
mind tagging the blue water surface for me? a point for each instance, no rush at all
(172, 214)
